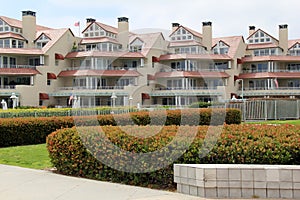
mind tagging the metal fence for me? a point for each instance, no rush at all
(267, 109)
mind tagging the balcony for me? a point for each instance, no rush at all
(193, 91)
(246, 71)
(182, 88)
(18, 66)
(93, 88)
(265, 91)
(192, 70)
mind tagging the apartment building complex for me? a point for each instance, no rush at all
(114, 66)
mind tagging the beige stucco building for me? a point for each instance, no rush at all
(45, 66)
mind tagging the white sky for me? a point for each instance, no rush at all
(229, 17)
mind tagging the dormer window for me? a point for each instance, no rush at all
(221, 48)
(42, 41)
(136, 45)
(295, 50)
(259, 37)
(181, 34)
(4, 27)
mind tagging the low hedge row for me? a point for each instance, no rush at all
(24, 131)
(73, 151)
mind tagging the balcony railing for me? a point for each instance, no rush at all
(18, 66)
(181, 88)
(102, 68)
(266, 88)
(93, 88)
(260, 71)
(7, 87)
(193, 70)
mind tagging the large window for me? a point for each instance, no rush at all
(295, 50)
(42, 41)
(95, 31)
(221, 48)
(260, 37)
(182, 34)
(266, 52)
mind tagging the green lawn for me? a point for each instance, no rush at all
(32, 156)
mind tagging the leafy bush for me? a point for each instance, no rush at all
(236, 144)
(24, 131)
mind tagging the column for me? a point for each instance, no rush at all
(269, 66)
(42, 60)
(31, 80)
(176, 102)
(179, 100)
(142, 62)
(183, 83)
(229, 64)
(93, 63)
(186, 65)
(87, 82)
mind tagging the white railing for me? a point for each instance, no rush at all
(7, 87)
(265, 88)
(102, 68)
(18, 66)
(193, 70)
(189, 88)
(259, 71)
(93, 88)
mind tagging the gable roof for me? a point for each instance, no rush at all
(18, 23)
(218, 42)
(54, 34)
(292, 43)
(137, 38)
(105, 27)
(193, 32)
(149, 40)
(263, 32)
(233, 42)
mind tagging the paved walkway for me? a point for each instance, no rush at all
(27, 184)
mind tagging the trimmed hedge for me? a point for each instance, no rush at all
(237, 144)
(25, 131)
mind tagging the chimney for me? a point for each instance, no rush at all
(89, 21)
(283, 37)
(123, 32)
(251, 30)
(29, 27)
(175, 26)
(207, 35)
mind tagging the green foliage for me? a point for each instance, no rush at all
(25, 131)
(236, 144)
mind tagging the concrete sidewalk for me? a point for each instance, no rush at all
(27, 184)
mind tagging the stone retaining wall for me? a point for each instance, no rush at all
(238, 181)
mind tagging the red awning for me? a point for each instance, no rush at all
(239, 61)
(59, 56)
(44, 96)
(51, 76)
(145, 96)
(155, 59)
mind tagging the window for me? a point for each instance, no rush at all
(6, 43)
(48, 82)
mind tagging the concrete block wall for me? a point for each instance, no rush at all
(238, 181)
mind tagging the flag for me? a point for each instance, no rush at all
(77, 24)
(276, 82)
